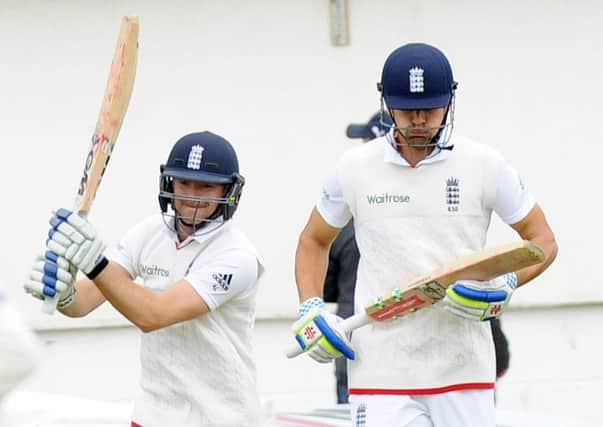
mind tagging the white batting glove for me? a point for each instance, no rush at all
(52, 275)
(480, 300)
(74, 238)
(319, 332)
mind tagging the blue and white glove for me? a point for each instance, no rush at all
(480, 300)
(75, 239)
(319, 332)
(52, 275)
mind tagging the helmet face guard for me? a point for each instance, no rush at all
(202, 157)
(442, 135)
(227, 204)
(418, 76)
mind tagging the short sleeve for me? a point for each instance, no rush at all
(513, 201)
(123, 253)
(332, 205)
(229, 274)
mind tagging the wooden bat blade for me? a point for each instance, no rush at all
(112, 113)
(431, 288)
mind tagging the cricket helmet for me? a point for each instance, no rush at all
(417, 76)
(204, 157)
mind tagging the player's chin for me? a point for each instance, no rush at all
(196, 216)
(192, 221)
(418, 140)
(191, 212)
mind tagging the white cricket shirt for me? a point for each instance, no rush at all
(198, 372)
(409, 221)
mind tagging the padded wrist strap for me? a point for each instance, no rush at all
(309, 304)
(98, 268)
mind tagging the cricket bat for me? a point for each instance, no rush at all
(431, 288)
(112, 113)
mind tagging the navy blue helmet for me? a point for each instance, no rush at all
(418, 76)
(204, 157)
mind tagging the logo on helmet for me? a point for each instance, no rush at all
(195, 156)
(415, 76)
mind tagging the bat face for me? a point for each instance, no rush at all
(429, 289)
(113, 110)
(99, 154)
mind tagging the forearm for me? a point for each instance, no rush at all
(86, 299)
(549, 245)
(536, 229)
(311, 261)
(135, 302)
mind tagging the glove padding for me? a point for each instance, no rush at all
(480, 300)
(51, 275)
(74, 238)
(319, 333)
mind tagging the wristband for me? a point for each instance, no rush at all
(309, 304)
(98, 268)
(512, 280)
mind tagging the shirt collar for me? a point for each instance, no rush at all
(202, 236)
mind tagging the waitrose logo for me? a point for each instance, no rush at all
(153, 270)
(380, 199)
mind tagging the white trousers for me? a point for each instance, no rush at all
(463, 408)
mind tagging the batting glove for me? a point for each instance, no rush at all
(52, 275)
(319, 332)
(74, 238)
(480, 300)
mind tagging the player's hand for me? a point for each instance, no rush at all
(319, 332)
(75, 239)
(52, 275)
(480, 300)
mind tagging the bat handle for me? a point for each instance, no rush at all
(294, 350)
(348, 325)
(50, 305)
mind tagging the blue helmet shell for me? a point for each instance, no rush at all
(417, 76)
(204, 157)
